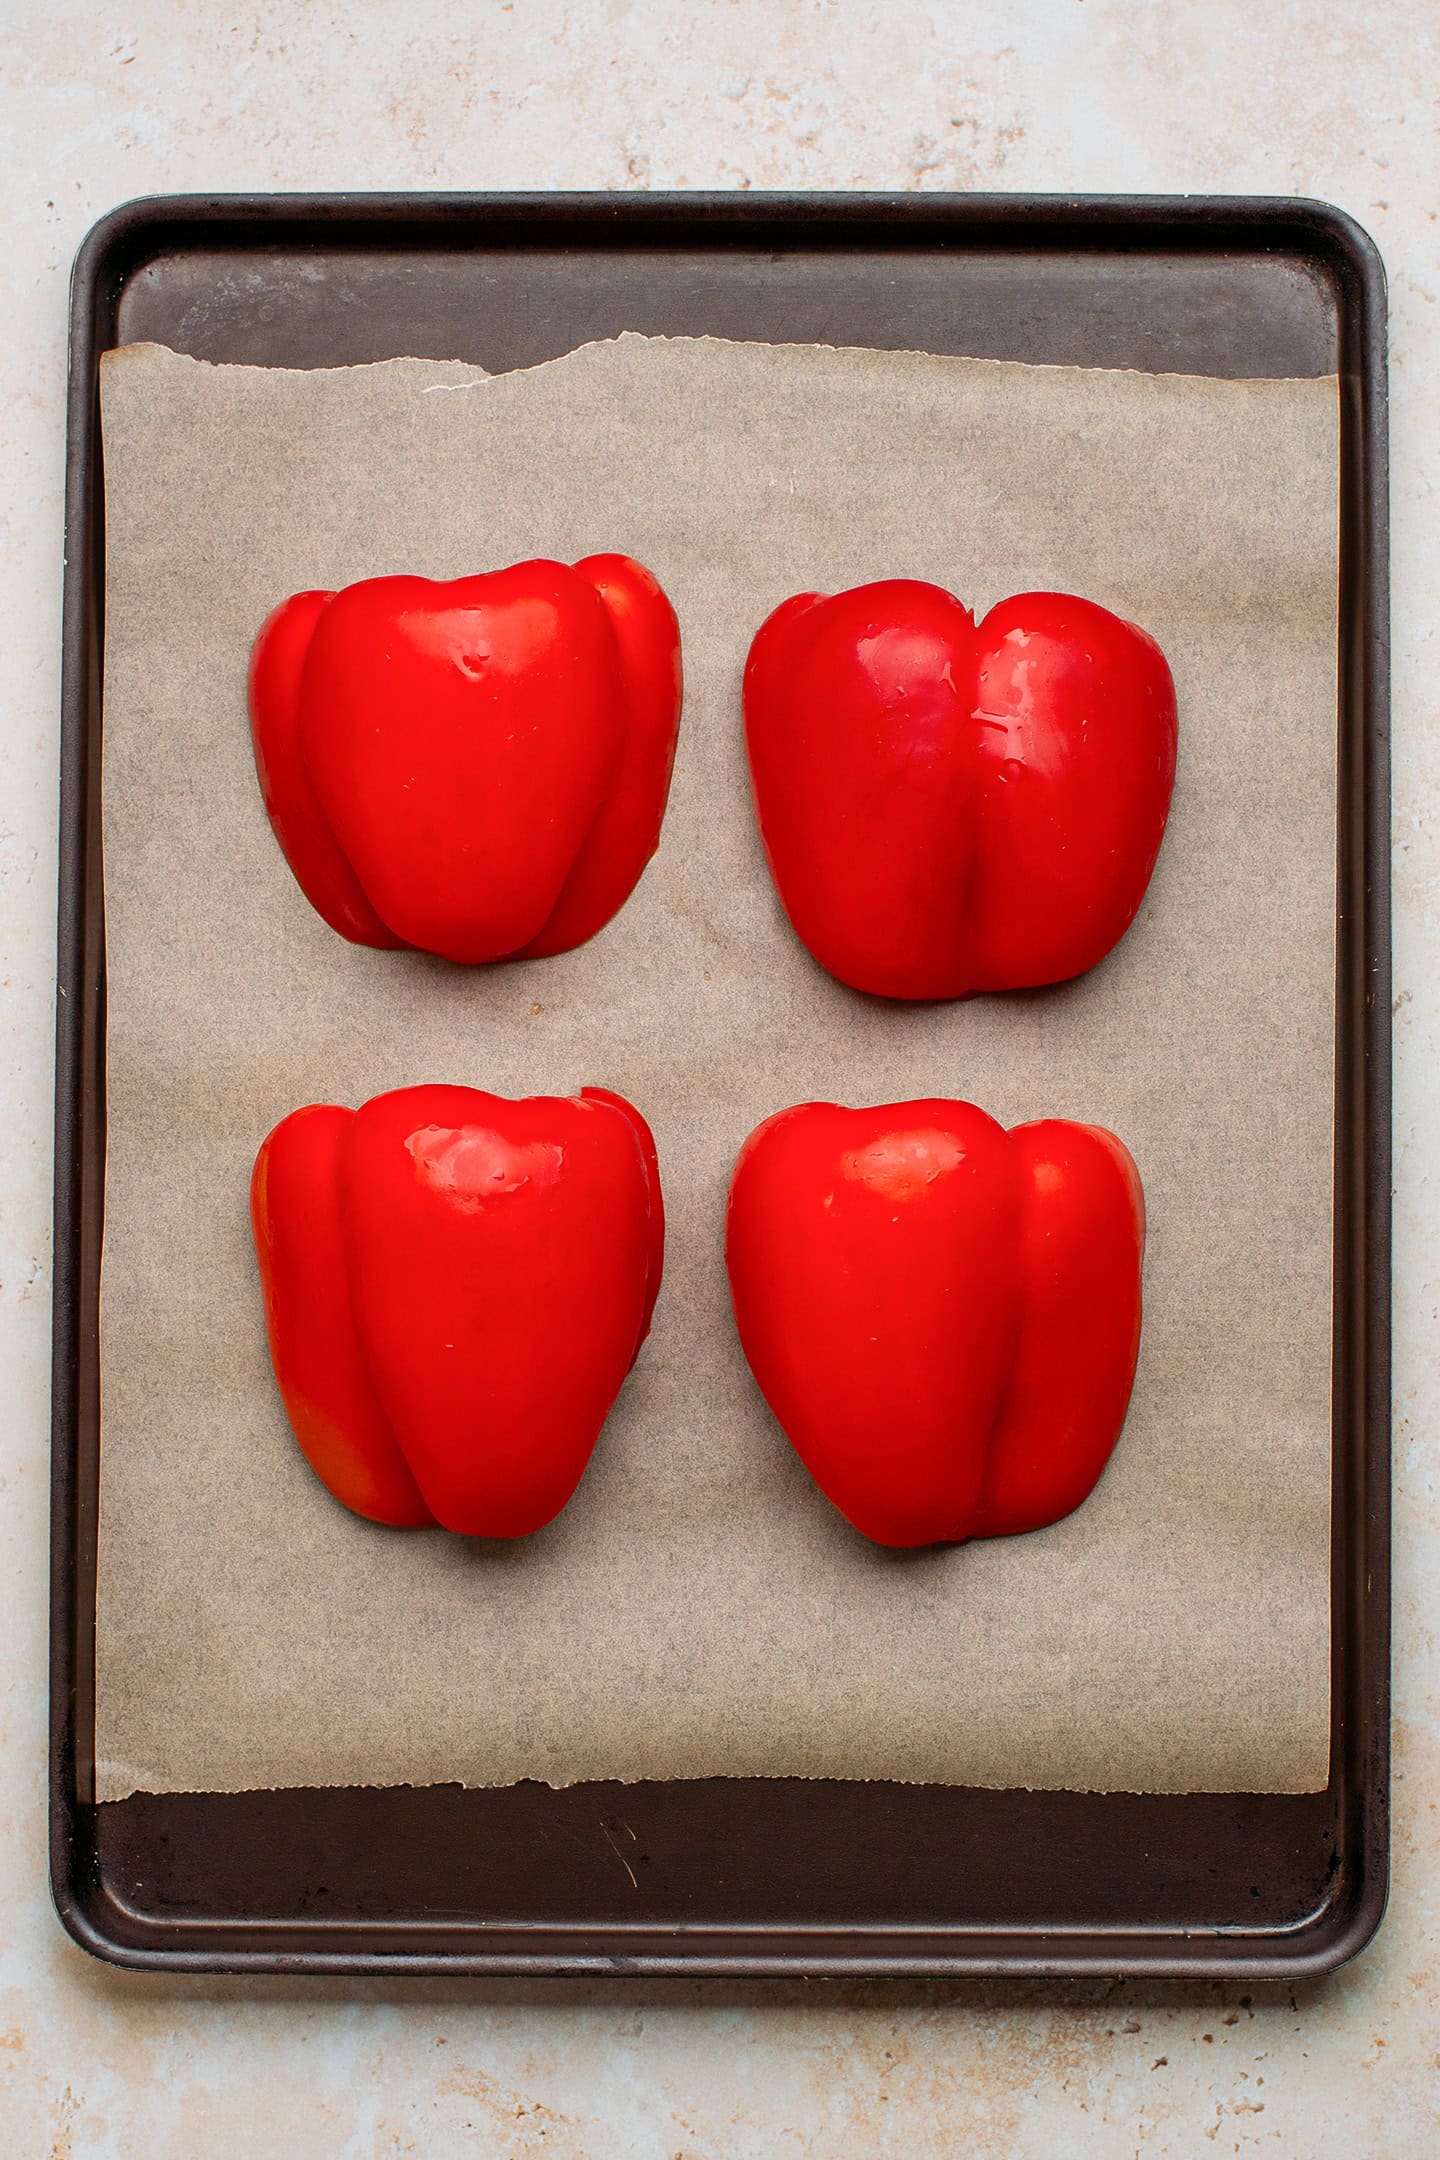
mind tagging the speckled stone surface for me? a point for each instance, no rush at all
(98, 105)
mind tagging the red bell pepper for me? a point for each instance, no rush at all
(949, 807)
(455, 1287)
(944, 1317)
(477, 768)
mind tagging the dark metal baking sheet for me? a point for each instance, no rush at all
(743, 1876)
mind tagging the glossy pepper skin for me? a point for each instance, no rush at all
(943, 1316)
(455, 1287)
(477, 768)
(948, 807)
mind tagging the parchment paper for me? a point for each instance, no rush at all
(700, 1609)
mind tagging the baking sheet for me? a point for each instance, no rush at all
(699, 1609)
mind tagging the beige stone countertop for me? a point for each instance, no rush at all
(101, 104)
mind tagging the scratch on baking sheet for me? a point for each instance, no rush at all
(634, 1878)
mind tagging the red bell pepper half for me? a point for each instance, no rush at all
(478, 768)
(455, 1287)
(949, 806)
(943, 1316)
